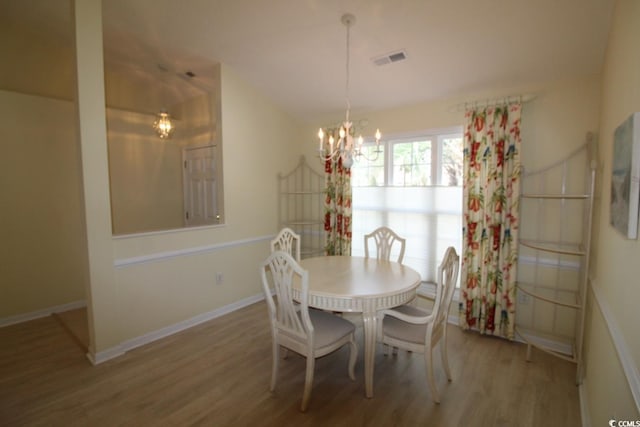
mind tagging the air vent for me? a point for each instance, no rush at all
(388, 58)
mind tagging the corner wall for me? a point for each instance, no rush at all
(42, 226)
(163, 279)
(612, 347)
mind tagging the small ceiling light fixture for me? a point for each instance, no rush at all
(345, 146)
(163, 125)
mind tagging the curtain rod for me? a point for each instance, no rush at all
(488, 102)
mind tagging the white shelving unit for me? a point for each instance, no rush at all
(301, 207)
(556, 208)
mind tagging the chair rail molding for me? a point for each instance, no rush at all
(622, 350)
(159, 256)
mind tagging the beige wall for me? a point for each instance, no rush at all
(259, 141)
(554, 122)
(41, 225)
(616, 266)
(129, 298)
(126, 298)
(145, 174)
(37, 60)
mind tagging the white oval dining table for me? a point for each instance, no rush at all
(359, 285)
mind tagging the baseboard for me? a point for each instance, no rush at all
(119, 350)
(584, 405)
(11, 320)
(103, 356)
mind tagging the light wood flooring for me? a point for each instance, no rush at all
(217, 374)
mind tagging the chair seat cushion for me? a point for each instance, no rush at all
(399, 329)
(329, 328)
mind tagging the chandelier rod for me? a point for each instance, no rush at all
(346, 146)
(348, 20)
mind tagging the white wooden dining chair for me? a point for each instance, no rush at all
(311, 333)
(287, 241)
(386, 240)
(414, 329)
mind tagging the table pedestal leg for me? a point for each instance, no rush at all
(369, 320)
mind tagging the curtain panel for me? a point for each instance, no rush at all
(491, 193)
(337, 207)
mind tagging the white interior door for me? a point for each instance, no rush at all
(200, 187)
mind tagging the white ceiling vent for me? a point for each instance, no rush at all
(388, 58)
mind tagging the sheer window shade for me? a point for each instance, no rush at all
(429, 217)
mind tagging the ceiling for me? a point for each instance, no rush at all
(294, 51)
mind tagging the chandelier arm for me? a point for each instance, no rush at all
(333, 154)
(369, 159)
(358, 152)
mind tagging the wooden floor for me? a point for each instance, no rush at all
(217, 374)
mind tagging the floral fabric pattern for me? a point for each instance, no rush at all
(491, 193)
(337, 208)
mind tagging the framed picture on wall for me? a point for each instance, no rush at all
(625, 177)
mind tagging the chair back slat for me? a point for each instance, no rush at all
(447, 278)
(385, 240)
(287, 241)
(280, 271)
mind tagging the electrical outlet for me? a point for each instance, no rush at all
(219, 278)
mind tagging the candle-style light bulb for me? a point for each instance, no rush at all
(378, 135)
(321, 137)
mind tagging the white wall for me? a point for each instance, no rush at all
(613, 340)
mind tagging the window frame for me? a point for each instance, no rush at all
(436, 136)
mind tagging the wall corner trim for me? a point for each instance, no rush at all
(622, 350)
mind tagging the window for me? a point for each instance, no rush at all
(414, 186)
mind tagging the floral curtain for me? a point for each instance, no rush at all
(337, 207)
(490, 218)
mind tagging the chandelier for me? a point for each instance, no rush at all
(343, 144)
(163, 125)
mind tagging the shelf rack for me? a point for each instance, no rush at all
(556, 205)
(301, 207)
